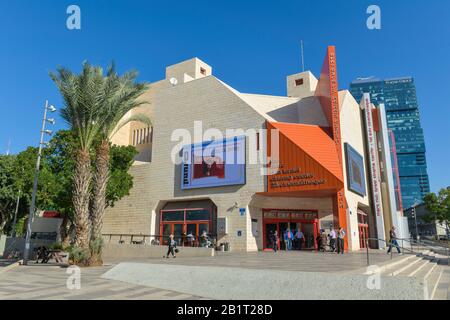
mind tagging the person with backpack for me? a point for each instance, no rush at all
(172, 244)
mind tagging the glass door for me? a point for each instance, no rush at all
(308, 232)
(283, 226)
(166, 231)
(203, 228)
(178, 233)
(269, 230)
(191, 229)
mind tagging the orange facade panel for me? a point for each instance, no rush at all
(307, 159)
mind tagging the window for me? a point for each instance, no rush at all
(193, 215)
(142, 136)
(173, 215)
(203, 71)
(299, 82)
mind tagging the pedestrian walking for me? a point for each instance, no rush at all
(393, 241)
(321, 240)
(288, 236)
(299, 238)
(275, 241)
(172, 244)
(340, 239)
(333, 237)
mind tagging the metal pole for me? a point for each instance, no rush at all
(303, 57)
(367, 252)
(13, 233)
(35, 183)
(415, 219)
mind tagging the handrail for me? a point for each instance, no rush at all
(156, 239)
(401, 246)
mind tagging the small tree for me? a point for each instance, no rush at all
(439, 207)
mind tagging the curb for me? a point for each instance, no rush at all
(11, 266)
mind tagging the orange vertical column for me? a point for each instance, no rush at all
(329, 97)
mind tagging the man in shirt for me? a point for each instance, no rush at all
(340, 244)
(393, 241)
(288, 237)
(333, 240)
(299, 237)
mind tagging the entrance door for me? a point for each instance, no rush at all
(283, 226)
(308, 232)
(270, 228)
(178, 233)
(363, 235)
(166, 231)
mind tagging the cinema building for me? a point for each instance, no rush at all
(240, 166)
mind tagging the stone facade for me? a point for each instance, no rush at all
(199, 96)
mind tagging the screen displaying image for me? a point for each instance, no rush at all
(214, 163)
(355, 171)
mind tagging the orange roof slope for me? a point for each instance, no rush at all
(315, 142)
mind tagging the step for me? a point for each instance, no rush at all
(423, 264)
(426, 270)
(432, 281)
(397, 267)
(443, 287)
(384, 268)
(405, 267)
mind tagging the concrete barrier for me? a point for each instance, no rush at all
(130, 251)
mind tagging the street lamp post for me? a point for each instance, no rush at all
(36, 176)
(415, 220)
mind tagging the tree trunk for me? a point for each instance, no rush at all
(64, 231)
(100, 184)
(80, 198)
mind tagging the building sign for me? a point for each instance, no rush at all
(356, 178)
(214, 163)
(372, 146)
(293, 177)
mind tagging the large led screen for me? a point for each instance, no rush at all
(214, 163)
(355, 171)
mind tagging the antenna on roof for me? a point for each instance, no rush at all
(303, 56)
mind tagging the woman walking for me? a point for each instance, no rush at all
(172, 244)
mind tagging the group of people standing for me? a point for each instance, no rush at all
(335, 240)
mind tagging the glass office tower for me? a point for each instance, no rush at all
(402, 111)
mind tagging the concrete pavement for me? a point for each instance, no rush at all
(47, 282)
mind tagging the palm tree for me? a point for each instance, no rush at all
(95, 106)
(120, 97)
(83, 96)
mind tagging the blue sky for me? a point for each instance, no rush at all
(251, 45)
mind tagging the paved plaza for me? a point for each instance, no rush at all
(306, 261)
(37, 281)
(49, 282)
